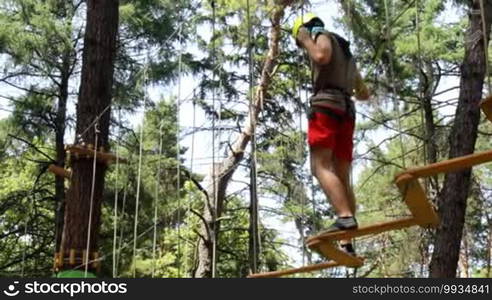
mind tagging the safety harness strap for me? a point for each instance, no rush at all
(325, 110)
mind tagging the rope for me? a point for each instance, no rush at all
(300, 149)
(421, 91)
(351, 37)
(178, 156)
(214, 237)
(392, 73)
(123, 246)
(253, 160)
(193, 138)
(96, 119)
(157, 185)
(192, 151)
(178, 29)
(94, 165)
(26, 221)
(485, 46)
(139, 177)
(121, 230)
(115, 221)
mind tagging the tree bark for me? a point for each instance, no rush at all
(453, 197)
(254, 237)
(225, 170)
(93, 105)
(428, 86)
(60, 149)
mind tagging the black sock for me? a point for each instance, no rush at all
(348, 248)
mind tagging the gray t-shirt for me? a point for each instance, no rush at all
(333, 83)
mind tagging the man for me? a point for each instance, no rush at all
(332, 116)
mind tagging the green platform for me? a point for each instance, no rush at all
(74, 274)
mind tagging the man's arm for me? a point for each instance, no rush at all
(320, 50)
(361, 90)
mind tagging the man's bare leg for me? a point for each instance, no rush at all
(324, 169)
(342, 169)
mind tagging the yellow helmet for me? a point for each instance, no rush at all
(302, 20)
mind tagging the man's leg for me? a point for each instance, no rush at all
(323, 137)
(342, 169)
(324, 169)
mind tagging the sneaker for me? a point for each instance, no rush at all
(348, 248)
(343, 223)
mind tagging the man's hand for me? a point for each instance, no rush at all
(303, 36)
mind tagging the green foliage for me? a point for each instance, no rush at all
(405, 63)
(26, 209)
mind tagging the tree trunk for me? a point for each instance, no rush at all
(60, 149)
(224, 171)
(253, 238)
(428, 83)
(453, 197)
(211, 212)
(93, 105)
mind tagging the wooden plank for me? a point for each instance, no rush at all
(87, 152)
(62, 259)
(328, 250)
(305, 269)
(71, 256)
(56, 262)
(416, 200)
(486, 106)
(95, 262)
(58, 171)
(362, 231)
(85, 257)
(451, 165)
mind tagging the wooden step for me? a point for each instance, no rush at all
(329, 250)
(59, 171)
(87, 152)
(447, 166)
(416, 201)
(305, 269)
(362, 231)
(486, 106)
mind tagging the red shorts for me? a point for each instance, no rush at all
(327, 132)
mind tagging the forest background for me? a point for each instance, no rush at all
(186, 79)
